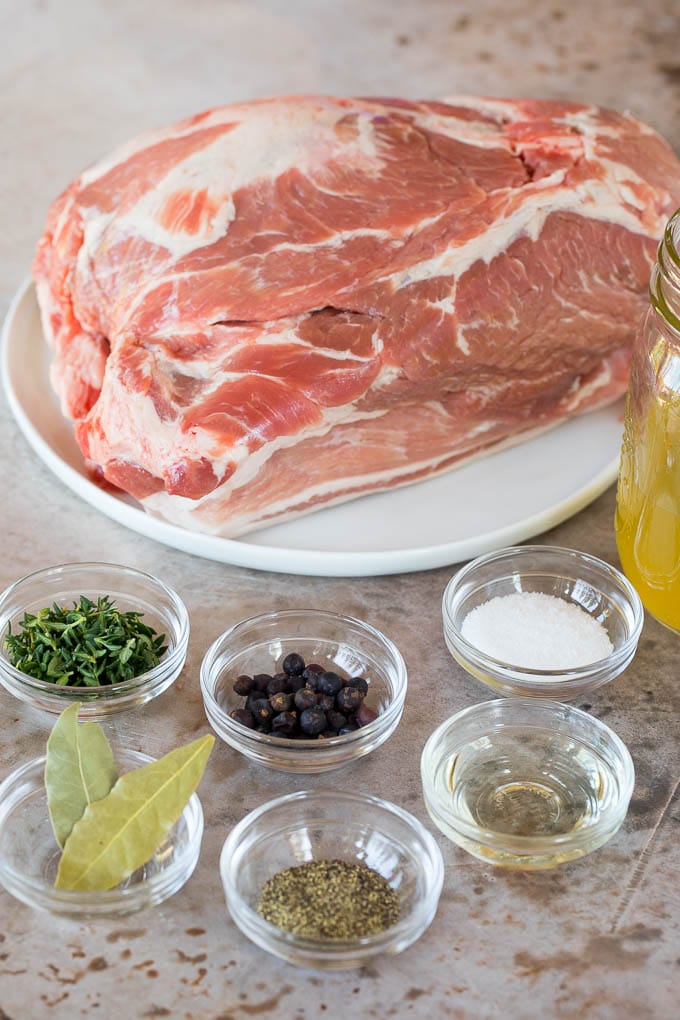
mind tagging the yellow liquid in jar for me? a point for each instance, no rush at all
(648, 509)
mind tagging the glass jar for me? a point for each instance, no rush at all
(648, 497)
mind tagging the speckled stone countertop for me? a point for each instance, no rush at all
(598, 938)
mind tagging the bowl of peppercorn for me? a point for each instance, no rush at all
(303, 690)
(331, 880)
(107, 636)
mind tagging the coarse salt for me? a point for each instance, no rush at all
(536, 631)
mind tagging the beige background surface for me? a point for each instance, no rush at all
(598, 938)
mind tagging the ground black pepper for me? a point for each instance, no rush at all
(329, 899)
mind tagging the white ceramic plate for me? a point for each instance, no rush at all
(501, 499)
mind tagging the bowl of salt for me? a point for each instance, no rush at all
(541, 621)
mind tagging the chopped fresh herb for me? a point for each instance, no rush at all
(93, 644)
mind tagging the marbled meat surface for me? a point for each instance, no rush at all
(287, 303)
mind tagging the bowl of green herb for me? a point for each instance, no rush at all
(329, 879)
(108, 636)
(110, 830)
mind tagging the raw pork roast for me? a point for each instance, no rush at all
(287, 303)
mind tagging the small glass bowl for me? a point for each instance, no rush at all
(526, 784)
(595, 586)
(306, 826)
(29, 853)
(260, 644)
(130, 590)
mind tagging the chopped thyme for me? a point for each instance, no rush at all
(93, 644)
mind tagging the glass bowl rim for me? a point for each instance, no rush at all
(243, 735)
(65, 692)
(532, 676)
(365, 945)
(520, 844)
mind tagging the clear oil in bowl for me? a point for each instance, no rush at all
(533, 786)
(526, 783)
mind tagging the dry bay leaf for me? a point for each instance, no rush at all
(121, 832)
(79, 769)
